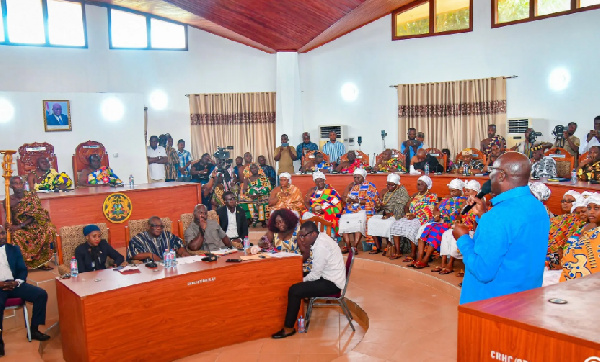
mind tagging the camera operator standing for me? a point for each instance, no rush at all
(568, 140)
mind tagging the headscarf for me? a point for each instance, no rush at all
(593, 199)
(593, 143)
(473, 185)
(89, 229)
(361, 171)
(393, 178)
(573, 193)
(456, 184)
(539, 190)
(586, 194)
(318, 175)
(579, 202)
(427, 181)
(286, 175)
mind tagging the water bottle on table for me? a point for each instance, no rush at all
(74, 269)
(427, 168)
(166, 258)
(246, 245)
(131, 182)
(173, 260)
(573, 177)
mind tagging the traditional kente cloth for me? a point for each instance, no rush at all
(422, 207)
(290, 198)
(393, 202)
(589, 172)
(35, 238)
(172, 165)
(146, 243)
(324, 165)
(450, 208)
(52, 180)
(257, 208)
(496, 140)
(353, 166)
(217, 196)
(582, 255)
(270, 173)
(562, 227)
(364, 192)
(330, 203)
(104, 176)
(394, 164)
(433, 234)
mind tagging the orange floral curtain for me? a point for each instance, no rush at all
(453, 115)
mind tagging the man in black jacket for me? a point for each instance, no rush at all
(232, 218)
(423, 158)
(13, 274)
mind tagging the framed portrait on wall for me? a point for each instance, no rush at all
(57, 115)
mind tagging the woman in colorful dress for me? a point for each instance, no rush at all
(286, 196)
(324, 201)
(30, 227)
(387, 163)
(224, 182)
(392, 205)
(446, 213)
(44, 177)
(420, 211)
(562, 227)
(361, 198)
(582, 255)
(97, 175)
(589, 169)
(350, 165)
(254, 196)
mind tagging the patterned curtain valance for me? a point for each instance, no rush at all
(236, 118)
(232, 108)
(464, 109)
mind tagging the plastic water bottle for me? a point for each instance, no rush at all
(26, 186)
(246, 245)
(301, 325)
(167, 258)
(427, 168)
(74, 269)
(573, 177)
(131, 182)
(173, 260)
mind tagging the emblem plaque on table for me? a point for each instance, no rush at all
(117, 208)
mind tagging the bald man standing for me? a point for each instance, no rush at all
(508, 251)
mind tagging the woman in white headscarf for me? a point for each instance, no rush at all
(286, 196)
(562, 227)
(361, 198)
(420, 211)
(393, 202)
(324, 201)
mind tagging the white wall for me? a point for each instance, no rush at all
(369, 58)
(211, 65)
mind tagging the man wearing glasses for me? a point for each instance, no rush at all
(327, 276)
(151, 244)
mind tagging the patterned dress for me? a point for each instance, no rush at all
(329, 202)
(582, 255)
(257, 208)
(35, 238)
(393, 202)
(364, 192)
(353, 166)
(422, 207)
(562, 227)
(589, 172)
(291, 246)
(392, 165)
(290, 198)
(172, 165)
(52, 180)
(144, 242)
(104, 176)
(449, 213)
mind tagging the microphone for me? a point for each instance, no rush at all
(209, 256)
(486, 188)
(151, 263)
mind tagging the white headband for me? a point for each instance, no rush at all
(593, 199)
(393, 178)
(456, 184)
(286, 175)
(473, 185)
(360, 171)
(427, 181)
(579, 202)
(317, 175)
(573, 193)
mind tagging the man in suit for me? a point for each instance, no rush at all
(232, 218)
(13, 274)
(57, 118)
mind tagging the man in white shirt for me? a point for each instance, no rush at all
(593, 134)
(157, 158)
(232, 219)
(327, 276)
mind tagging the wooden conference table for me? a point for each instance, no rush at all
(84, 205)
(170, 314)
(440, 182)
(526, 327)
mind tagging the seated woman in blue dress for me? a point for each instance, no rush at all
(92, 254)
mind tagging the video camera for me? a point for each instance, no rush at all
(224, 160)
(559, 132)
(533, 135)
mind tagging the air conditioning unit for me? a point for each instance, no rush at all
(516, 130)
(340, 131)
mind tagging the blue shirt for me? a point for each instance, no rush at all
(309, 146)
(507, 254)
(334, 150)
(184, 158)
(410, 150)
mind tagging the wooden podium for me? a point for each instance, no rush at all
(526, 327)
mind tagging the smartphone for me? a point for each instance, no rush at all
(285, 144)
(118, 268)
(233, 260)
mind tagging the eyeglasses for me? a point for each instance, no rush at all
(497, 169)
(157, 226)
(567, 201)
(302, 236)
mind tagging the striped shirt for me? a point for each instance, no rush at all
(334, 150)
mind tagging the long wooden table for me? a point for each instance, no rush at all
(170, 314)
(526, 327)
(84, 205)
(440, 182)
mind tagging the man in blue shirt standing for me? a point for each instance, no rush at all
(334, 149)
(305, 146)
(508, 251)
(410, 147)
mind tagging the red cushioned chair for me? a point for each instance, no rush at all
(15, 303)
(336, 299)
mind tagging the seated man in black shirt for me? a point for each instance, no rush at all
(92, 254)
(423, 158)
(202, 169)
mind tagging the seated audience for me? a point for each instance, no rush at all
(239, 167)
(44, 177)
(589, 169)
(449, 163)
(286, 196)
(542, 193)
(583, 249)
(223, 182)
(31, 228)
(232, 219)
(387, 163)
(350, 165)
(306, 146)
(391, 208)
(157, 159)
(97, 175)
(317, 163)
(324, 201)
(13, 272)
(254, 197)
(204, 234)
(151, 244)
(542, 166)
(327, 276)
(422, 158)
(361, 197)
(495, 152)
(92, 254)
(268, 170)
(562, 227)
(486, 144)
(420, 211)
(285, 155)
(471, 160)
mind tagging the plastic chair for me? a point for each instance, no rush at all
(15, 303)
(336, 299)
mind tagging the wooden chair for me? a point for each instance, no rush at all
(395, 153)
(311, 154)
(359, 155)
(442, 157)
(323, 225)
(565, 162)
(467, 152)
(582, 157)
(29, 154)
(82, 154)
(69, 238)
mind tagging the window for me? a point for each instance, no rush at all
(42, 23)
(517, 11)
(129, 30)
(432, 17)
